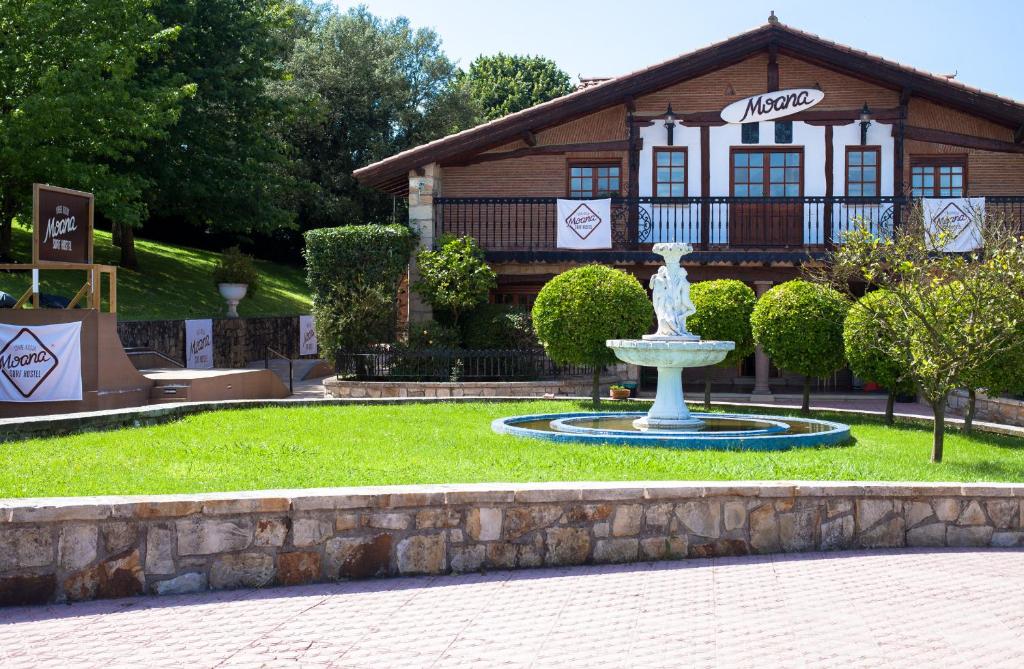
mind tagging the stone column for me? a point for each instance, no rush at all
(424, 185)
(762, 366)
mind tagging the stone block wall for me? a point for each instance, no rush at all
(574, 386)
(1002, 410)
(83, 548)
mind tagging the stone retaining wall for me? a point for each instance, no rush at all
(576, 386)
(83, 548)
(997, 409)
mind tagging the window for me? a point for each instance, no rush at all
(939, 176)
(783, 132)
(751, 133)
(670, 172)
(767, 173)
(587, 181)
(862, 171)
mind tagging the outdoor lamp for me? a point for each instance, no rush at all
(865, 121)
(670, 122)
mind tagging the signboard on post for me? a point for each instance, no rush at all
(199, 343)
(61, 225)
(307, 336)
(41, 363)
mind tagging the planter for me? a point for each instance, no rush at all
(232, 294)
(619, 393)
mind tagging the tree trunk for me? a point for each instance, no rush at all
(115, 234)
(805, 408)
(6, 215)
(889, 402)
(707, 392)
(972, 399)
(595, 390)
(128, 257)
(938, 428)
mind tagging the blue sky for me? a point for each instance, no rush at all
(980, 39)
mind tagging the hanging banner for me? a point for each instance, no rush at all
(584, 224)
(307, 336)
(199, 343)
(959, 217)
(61, 225)
(41, 363)
(768, 106)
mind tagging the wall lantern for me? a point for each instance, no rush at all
(865, 121)
(670, 122)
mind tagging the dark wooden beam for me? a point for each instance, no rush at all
(529, 138)
(812, 116)
(630, 103)
(829, 184)
(1018, 134)
(705, 186)
(773, 67)
(547, 149)
(957, 139)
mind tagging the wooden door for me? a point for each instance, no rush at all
(773, 181)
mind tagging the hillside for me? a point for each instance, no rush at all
(173, 282)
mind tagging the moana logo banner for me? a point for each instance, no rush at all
(584, 224)
(768, 106)
(41, 363)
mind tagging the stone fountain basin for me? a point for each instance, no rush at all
(669, 353)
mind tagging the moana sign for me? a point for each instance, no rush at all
(584, 224)
(768, 106)
(62, 225)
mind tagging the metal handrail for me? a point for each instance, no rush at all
(151, 351)
(291, 371)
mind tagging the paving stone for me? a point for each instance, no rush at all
(271, 532)
(159, 550)
(484, 524)
(242, 570)
(422, 554)
(616, 550)
(932, 534)
(181, 585)
(207, 537)
(701, 517)
(357, 557)
(77, 545)
(310, 531)
(567, 545)
(627, 519)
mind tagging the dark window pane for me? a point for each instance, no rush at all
(783, 132)
(751, 133)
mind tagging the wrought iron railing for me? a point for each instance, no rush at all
(398, 363)
(528, 223)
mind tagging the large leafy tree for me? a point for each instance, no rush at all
(73, 110)
(723, 313)
(870, 356)
(502, 84)
(223, 166)
(366, 88)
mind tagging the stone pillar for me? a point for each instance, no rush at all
(424, 185)
(762, 366)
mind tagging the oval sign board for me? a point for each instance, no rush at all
(766, 106)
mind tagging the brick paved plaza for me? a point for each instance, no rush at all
(907, 608)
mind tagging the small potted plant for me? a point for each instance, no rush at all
(619, 392)
(235, 277)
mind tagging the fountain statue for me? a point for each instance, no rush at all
(668, 422)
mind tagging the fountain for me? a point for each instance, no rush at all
(668, 422)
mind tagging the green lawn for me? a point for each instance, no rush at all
(432, 443)
(172, 282)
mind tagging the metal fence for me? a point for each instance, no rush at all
(397, 363)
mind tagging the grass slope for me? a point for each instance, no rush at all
(433, 443)
(172, 282)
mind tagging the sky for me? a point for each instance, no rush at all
(981, 40)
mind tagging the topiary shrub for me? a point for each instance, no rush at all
(800, 326)
(868, 353)
(498, 326)
(723, 314)
(578, 310)
(354, 272)
(454, 278)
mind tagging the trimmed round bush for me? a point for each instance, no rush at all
(868, 353)
(578, 310)
(800, 326)
(723, 314)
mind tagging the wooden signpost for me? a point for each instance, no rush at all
(62, 239)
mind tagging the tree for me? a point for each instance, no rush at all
(365, 89)
(455, 278)
(869, 357)
(223, 166)
(724, 307)
(954, 312)
(73, 110)
(800, 326)
(579, 310)
(502, 84)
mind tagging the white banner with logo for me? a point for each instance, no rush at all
(199, 343)
(41, 363)
(584, 224)
(307, 336)
(960, 217)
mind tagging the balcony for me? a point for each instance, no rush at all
(523, 228)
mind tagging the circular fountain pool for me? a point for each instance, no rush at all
(715, 431)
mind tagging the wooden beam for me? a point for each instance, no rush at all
(829, 184)
(705, 186)
(630, 103)
(957, 139)
(545, 150)
(529, 138)
(79, 295)
(812, 116)
(773, 67)
(1018, 134)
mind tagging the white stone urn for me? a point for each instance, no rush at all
(232, 294)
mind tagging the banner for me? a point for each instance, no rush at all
(307, 336)
(959, 216)
(41, 363)
(61, 225)
(199, 343)
(584, 224)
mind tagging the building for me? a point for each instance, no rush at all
(759, 150)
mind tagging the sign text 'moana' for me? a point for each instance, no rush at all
(768, 106)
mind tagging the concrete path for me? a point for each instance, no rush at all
(908, 608)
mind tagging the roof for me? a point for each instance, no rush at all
(391, 174)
